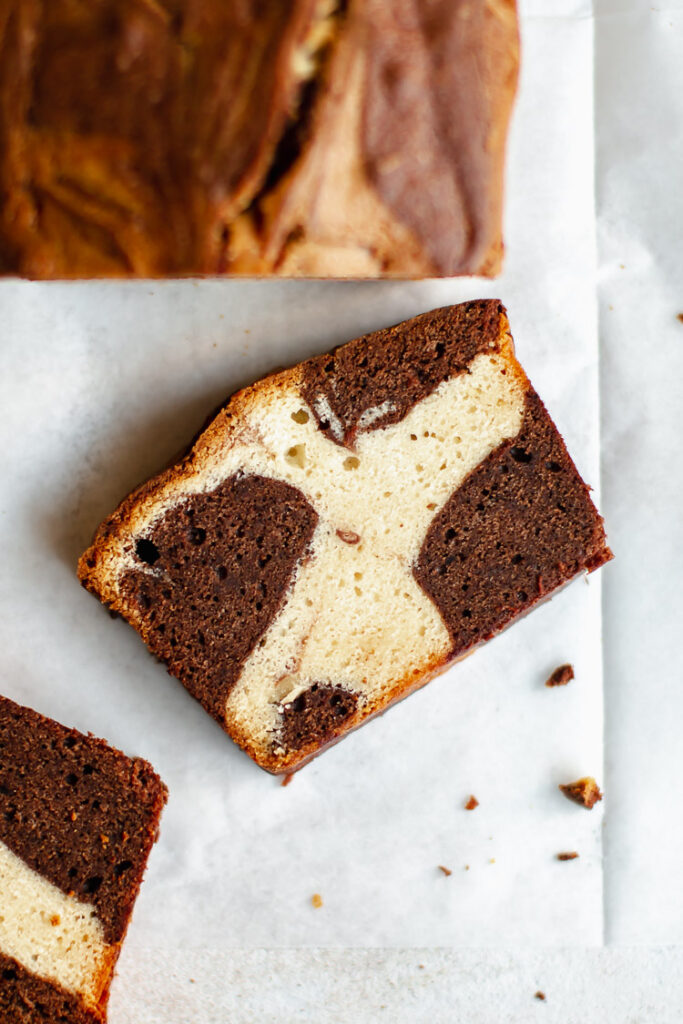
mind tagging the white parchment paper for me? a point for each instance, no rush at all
(639, 102)
(102, 382)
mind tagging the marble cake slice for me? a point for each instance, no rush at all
(315, 138)
(345, 529)
(77, 822)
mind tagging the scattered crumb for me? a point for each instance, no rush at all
(421, 966)
(467, 867)
(471, 803)
(572, 855)
(561, 676)
(287, 779)
(317, 900)
(622, 267)
(446, 871)
(680, 317)
(584, 791)
(492, 860)
(192, 981)
(55, 920)
(539, 995)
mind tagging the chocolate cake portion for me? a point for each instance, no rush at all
(316, 716)
(77, 823)
(342, 531)
(221, 565)
(375, 380)
(27, 999)
(518, 527)
(324, 138)
(78, 812)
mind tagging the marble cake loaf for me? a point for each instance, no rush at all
(317, 138)
(345, 529)
(77, 822)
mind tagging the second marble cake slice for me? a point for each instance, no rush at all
(345, 529)
(77, 822)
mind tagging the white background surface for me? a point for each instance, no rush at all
(101, 383)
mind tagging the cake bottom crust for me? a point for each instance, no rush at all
(27, 999)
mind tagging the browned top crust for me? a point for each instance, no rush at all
(77, 811)
(174, 137)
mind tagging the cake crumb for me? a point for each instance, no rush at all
(539, 995)
(287, 779)
(471, 803)
(446, 871)
(561, 676)
(317, 900)
(680, 317)
(570, 855)
(467, 867)
(421, 966)
(585, 792)
(492, 860)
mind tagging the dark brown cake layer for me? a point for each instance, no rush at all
(225, 560)
(78, 812)
(399, 365)
(316, 715)
(519, 526)
(27, 999)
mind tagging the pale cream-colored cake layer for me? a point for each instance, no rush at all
(52, 935)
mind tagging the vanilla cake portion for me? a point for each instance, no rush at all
(77, 822)
(343, 530)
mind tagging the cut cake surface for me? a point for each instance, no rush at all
(77, 822)
(314, 138)
(344, 530)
